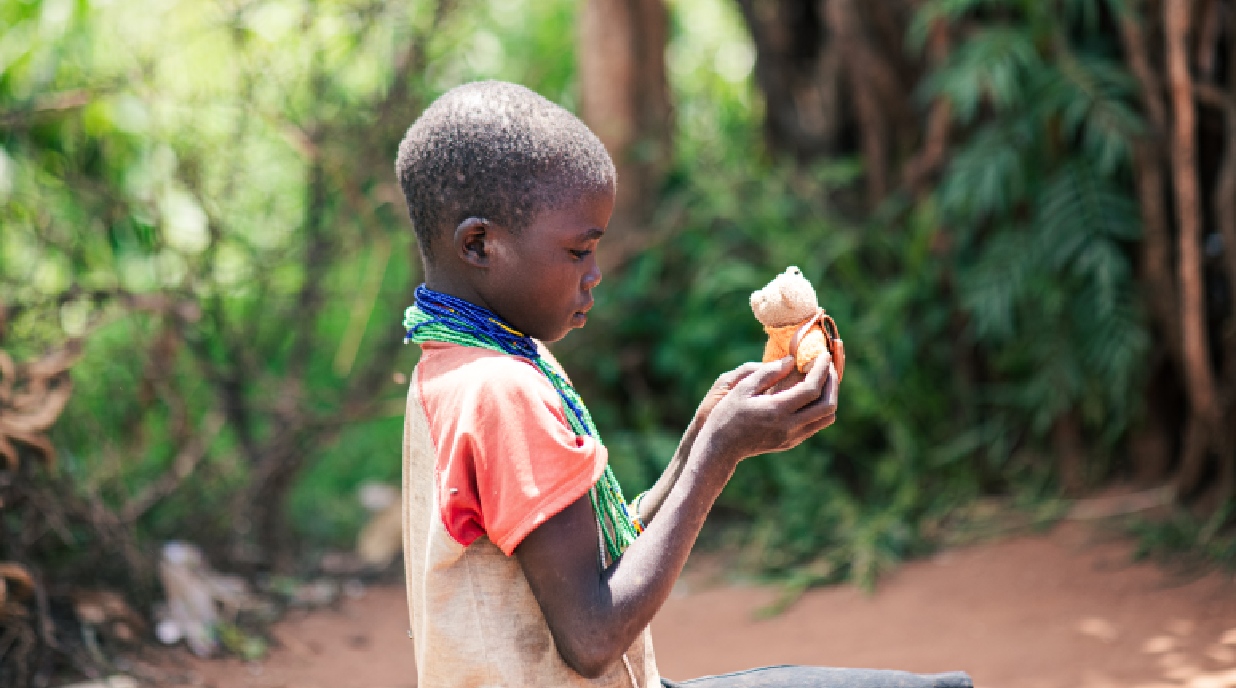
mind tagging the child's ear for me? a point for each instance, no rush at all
(470, 241)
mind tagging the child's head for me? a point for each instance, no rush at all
(496, 151)
(509, 195)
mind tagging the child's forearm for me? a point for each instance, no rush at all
(595, 619)
(641, 580)
(652, 500)
(595, 615)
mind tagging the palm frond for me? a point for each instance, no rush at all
(1092, 98)
(987, 177)
(992, 66)
(949, 11)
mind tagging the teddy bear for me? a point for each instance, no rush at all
(795, 323)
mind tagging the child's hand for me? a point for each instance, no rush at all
(720, 388)
(747, 421)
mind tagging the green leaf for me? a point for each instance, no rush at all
(990, 67)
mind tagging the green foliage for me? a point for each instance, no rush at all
(205, 192)
(858, 493)
(237, 159)
(1181, 539)
(851, 502)
(974, 319)
(1038, 199)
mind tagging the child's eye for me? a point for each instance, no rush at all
(581, 254)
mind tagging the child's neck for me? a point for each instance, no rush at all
(456, 285)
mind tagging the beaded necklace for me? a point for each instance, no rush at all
(439, 317)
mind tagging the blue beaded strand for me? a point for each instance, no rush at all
(461, 315)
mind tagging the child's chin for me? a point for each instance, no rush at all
(555, 336)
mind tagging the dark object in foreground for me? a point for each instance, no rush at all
(824, 677)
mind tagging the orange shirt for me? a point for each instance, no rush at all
(507, 459)
(488, 455)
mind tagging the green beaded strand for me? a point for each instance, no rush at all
(619, 527)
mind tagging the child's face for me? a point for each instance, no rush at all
(540, 280)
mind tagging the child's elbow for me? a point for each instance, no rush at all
(589, 659)
(587, 669)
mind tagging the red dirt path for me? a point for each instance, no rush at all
(1063, 610)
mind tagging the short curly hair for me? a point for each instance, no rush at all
(497, 151)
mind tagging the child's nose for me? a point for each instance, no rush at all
(593, 277)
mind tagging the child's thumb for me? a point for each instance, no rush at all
(768, 375)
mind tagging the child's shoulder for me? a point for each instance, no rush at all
(455, 371)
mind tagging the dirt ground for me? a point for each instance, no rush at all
(1063, 610)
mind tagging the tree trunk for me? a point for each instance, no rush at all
(798, 70)
(1225, 218)
(1152, 441)
(865, 72)
(1203, 397)
(835, 80)
(1148, 159)
(625, 100)
(1070, 449)
(1192, 459)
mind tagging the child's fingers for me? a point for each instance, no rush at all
(729, 379)
(809, 389)
(820, 423)
(831, 387)
(823, 405)
(767, 374)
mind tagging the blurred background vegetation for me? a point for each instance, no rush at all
(1021, 214)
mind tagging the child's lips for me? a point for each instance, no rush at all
(579, 317)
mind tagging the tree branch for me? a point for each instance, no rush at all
(51, 103)
(1137, 53)
(939, 117)
(181, 468)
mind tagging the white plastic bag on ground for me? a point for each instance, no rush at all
(197, 599)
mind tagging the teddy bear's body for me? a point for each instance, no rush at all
(809, 349)
(795, 324)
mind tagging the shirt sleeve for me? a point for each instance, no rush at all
(512, 460)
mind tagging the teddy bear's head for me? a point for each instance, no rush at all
(787, 300)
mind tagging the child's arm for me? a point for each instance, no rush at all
(595, 615)
(651, 502)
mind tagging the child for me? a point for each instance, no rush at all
(525, 565)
